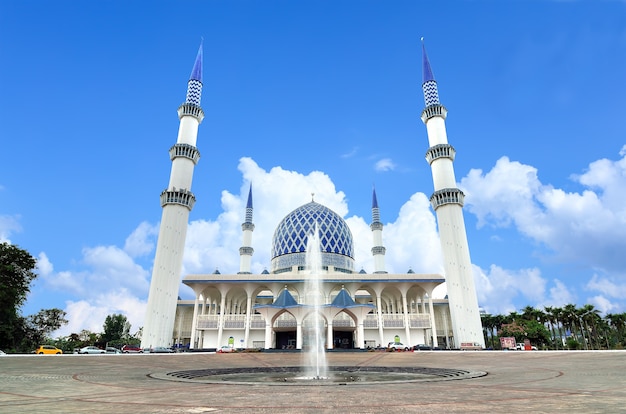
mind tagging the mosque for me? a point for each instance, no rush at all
(275, 309)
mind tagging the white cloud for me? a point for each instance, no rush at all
(90, 314)
(142, 240)
(44, 266)
(498, 288)
(8, 225)
(586, 227)
(607, 287)
(386, 164)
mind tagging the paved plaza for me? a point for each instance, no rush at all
(516, 381)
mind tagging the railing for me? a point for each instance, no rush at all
(208, 322)
(390, 320)
(420, 320)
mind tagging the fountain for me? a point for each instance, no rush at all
(314, 353)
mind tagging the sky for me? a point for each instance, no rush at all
(318, 97)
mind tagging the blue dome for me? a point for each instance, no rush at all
(292, 234)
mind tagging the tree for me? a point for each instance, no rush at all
(45, 322)
(16, 274)
(116, 327)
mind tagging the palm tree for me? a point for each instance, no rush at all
(550, 316)
(617, 322)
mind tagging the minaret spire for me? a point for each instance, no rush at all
(247, 227)
(429, 84)
(378, 251)
(177, 200)
(447, 201)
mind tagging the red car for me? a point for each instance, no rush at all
(131, 349)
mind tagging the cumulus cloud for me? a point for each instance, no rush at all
(498, 288)
(411, 240)
(90, 314)
(583, 227)
(386, 164)
(142, 240)
(9, 224)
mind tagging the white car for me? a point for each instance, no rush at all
(397, 346)
(91, 350)
(225, 349)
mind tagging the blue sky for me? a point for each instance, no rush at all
(315, 96)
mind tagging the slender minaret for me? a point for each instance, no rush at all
(246, 251)
(177, 201)
(378, 251)
(447, 201)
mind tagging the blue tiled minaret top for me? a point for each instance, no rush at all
(194, 86)
(249, 206)
(429, 85)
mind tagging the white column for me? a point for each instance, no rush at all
(432, 319)
(407, 330)
(248, 318)
(220, 326)
(381, 338)
(268, 333)
(446, 328)
(360, 334)
(194, 324)
(330, 344)
(298, 334)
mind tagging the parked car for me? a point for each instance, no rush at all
(112, 350)
(225, 349)
(47, 350)
(131, 349)
(91, 350)
(161, 350)
(397, 346)
(421, 347)
(522, 347)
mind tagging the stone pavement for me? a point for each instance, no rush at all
(517, 381)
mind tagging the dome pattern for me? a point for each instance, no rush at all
(291, 237)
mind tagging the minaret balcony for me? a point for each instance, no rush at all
(377, 225)
(246, 251)
(440, 151)
(247, 226)
(376, 250)
(432, 111)
(447, 196)
(180, 196)
(189, 109)
(185, 151)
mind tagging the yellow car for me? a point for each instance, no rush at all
(47, 349)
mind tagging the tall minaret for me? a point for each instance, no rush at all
(177, 201)
(447, 201)
(246, 250)
(377, 231)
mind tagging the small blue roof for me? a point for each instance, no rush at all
(285, 300)
(374, 200)
(343, 300)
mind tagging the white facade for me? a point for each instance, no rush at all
(228, 306)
